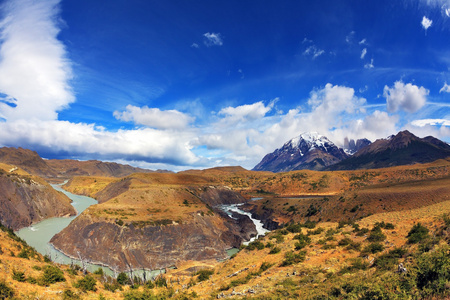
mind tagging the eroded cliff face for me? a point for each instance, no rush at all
(25, 200)
(155, 221)
(153, 247)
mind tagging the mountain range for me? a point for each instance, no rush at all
(313, 151)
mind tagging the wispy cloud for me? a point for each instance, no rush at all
(195, 45)
(213, 39)
(445, 88)
(369, 65)
(433, 122)
(363, 53)
(34, 69)
(350, 37)
(363, 42)
(313, 51)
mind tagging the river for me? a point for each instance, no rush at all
(39, 235)
(229, 209)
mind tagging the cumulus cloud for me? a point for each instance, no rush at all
(154, 117)
(363, 53)
(81, 139)
(213, 39)
(426, 23)
(445, 88)
(407, 97)
(34, 70)
(247, 112)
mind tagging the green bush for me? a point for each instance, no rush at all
(433, 274)
(112, 287)
(255, 245)
(138, 295)
(265, 266)
(52, 274)
(376, 235)
(418, 233)
(88, 283)
(303, 241)
(99, 271)
(389, 261)
(355, 265)
(204, 275)
(6, 291)
(372, 249)
(274, 250)
(69, 295)
(362, 231)
(123, 279)
(160, 281)
(293, 258)
(18, 275)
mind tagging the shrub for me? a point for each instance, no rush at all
(274, 250)
(376, 235)
(255, 245)
(372, 248)
(204, 275)
(418, 233)
(293, 258)
(160, 281)
(345, 241)
(88, 283)
(433, 273)
(99, 271)
(294, 228)
(356, 264)
(19, 276)
(52, 274)
(122, 279)
(6, 291)
(23, 254)
(69, 294)
(137, 295)
(389, 260)
(112, 287)
(362, 231)
(265, 266)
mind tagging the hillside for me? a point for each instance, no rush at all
(156, 213)
(27, 199)
(59, 170)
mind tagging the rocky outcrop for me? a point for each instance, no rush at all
(152, 247)
(25, 200)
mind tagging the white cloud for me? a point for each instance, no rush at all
(34, 70)
(313, 51)
(247, 112)
(363, 53)
(426, 23)
(86, 139)
(407, 97)
(154, 117)
(213, 39)
(433, 122)
(445, 88)
(369, 65)
(350, 37)
(363, 42)
(195, 45)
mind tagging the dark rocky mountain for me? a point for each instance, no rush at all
(351, 147)
(308, 151)
(402, 149)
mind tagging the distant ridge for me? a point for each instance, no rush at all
(402, 149)
(310, 151)
(31, 162)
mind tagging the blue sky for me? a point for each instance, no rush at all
(197, 84)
